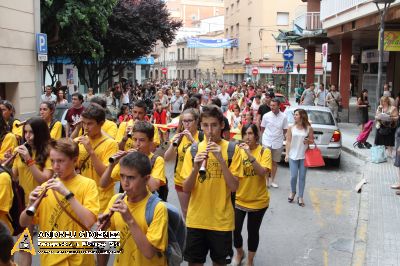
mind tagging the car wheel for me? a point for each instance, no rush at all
(335, 162)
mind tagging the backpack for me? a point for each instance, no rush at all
(62, 128)
(18, 203)
(176, 230)
(163, 190)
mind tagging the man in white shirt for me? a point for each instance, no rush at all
(48, 96)
(224, 97)
(321, 95)
(274, 125)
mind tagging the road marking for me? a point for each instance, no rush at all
(325, 257)
(339, 204)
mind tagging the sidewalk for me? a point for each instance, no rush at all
(377, 237)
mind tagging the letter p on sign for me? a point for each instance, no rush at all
(41, 43)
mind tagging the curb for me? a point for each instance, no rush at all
(360, 239)
(355, 154)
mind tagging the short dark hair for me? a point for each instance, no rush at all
(141, 104)
(192, 102)
(50, 105)
(216, 101)
(94, 111)
(198, 96)
(66, 146)
(100, 101)
(253, 127)
(6, 243)
(144, 127)
(275, 100)
(138, 161)
(77, 94)
(212, 111)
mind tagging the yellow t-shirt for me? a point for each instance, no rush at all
(51, 217)
(129, 142)
(210, 205)
(252, 192)
(56, 131)
(182, 148)
(6, 199)
(156, 233)
(25, 177)
(106, 149)
(157, 172)
(110, 128)
(9, 142)
(17, 130)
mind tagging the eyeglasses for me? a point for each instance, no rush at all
(187, 121)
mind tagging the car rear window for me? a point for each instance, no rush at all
(315, 117)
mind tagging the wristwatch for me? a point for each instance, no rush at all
(69, 195)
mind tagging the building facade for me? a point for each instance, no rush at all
(19, 68)
(352, 27)
(254, 22)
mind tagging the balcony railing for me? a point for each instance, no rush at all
(309, 21)
(330, 8)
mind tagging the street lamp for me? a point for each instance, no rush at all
(382, 12)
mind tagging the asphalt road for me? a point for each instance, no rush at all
(321, 233)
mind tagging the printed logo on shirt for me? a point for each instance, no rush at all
(248, 169)
(24, 243)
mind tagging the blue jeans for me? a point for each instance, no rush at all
(297, 169)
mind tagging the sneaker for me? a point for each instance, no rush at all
(275, 185)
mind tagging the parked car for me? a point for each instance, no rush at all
(327, 134)
(283, 101)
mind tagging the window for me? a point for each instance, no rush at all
(171, 56)
(237, 3)
(226, 10)
(226, 33)
(179, 74)
(183, 55)
(231, 31)
(232, 9)
(237, 52)
(237, 29)
(249, 23)
(231, 53)
(183, 74)
(249, 49)
(179, 57)
(281, 47)
(282, 18)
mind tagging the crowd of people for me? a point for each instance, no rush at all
(226, 146)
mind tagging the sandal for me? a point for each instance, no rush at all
(395, 186)
(301, 204)
(290, 200)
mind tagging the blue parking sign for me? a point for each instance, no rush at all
(41, 43)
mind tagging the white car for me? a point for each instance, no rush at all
(327, 135)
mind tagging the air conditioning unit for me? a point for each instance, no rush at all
(266, 56)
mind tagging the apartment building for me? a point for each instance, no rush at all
(352, 27)
(254, 22)
(19, 71)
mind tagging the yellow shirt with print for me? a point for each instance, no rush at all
(129, 142)
(25, 177)
(157, 172)
(182, 148)
(252, 192)
(56, 131)
(210, 205)
(156, 233)
(9, 143)
(17, 130)
(106, 149)
(6, 199)
(50, 217)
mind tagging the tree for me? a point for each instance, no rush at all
(103, 36)
(134, 29)
(74, 27)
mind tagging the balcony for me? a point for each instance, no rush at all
(330, 8)
(309, 21)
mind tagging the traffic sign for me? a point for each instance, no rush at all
(254, 71)
(324, 54)
(41, 43)
(42, 57)
(288, 55)
(164, 70)
(288, 66)
(247, 61)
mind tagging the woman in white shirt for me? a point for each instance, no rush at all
(298, 137)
